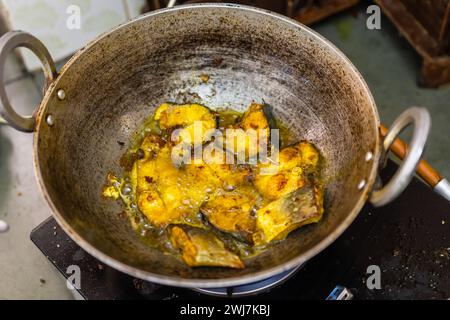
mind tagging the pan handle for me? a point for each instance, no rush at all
(420, 118)
(8, 43)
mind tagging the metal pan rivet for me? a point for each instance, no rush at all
(369, 156)
(61, 94)
(3, 226)
(361, 184)
(50, 120)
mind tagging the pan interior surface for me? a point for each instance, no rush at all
(113, 84)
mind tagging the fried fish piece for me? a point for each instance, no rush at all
(200, 248)
(310, 156)
(295, 163)
(152, 206)
(277, 219)
(142, 180)
(275, 186)
(231, 212)
(255, 133)
(192, 118)
(256, 118)
(164, 193)
(219, 172)
(150, 203)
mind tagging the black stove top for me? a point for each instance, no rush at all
(409, 240)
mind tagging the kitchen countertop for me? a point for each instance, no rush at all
(387, 62)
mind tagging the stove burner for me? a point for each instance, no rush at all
(252, 288)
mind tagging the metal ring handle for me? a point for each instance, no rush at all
(421, 120)
(8, 43)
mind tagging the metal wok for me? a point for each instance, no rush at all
(103, 94)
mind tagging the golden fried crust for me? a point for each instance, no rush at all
(231, 212)
(187, 117)
(166, 194)
(256, 120)
(277, 219)
(200, 248)
(294, 164)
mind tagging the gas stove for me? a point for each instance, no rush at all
(405, 244)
